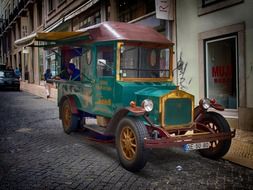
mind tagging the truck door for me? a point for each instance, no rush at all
(105, 71)
(88, 78)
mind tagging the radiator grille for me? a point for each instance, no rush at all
(178, 111)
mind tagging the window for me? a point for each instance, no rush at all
(24, 30)
(209, 2)
(31, 19)
(39, 13)
(61, 1)
(132, 9)
(52, 64)
(50, 5)
(87, 20)
(208, 6)
(142, 62)
(105, 60)
(87, 56)
(70, 55)
(86, 64)
(221, 70)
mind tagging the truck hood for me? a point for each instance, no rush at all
(153, 92)
(138, 91)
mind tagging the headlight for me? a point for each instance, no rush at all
(205, 103)
(147, 105)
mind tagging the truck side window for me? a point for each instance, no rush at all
(105, 60)
(87, 66)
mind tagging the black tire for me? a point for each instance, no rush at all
(17, 88)
(133, 132)
(219, 124)
(70, 121)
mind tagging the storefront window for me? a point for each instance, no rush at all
(221, 71)
(53, 62)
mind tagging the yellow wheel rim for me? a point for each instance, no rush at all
(66, 115)
(128, 143)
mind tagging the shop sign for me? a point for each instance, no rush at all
(25, 50)
(222, 73)
(164, 9)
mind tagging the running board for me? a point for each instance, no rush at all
(98, 129)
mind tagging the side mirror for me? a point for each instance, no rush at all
(122, 49)
(101, 62)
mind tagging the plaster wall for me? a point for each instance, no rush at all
(190, 25)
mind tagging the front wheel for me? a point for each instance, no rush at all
(218, 124)
(70, 121)
(130, 136)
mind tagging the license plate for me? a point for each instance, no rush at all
(196, 146)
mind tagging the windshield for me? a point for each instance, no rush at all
(143, 62)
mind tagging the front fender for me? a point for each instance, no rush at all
(121, 113)
(198, 110)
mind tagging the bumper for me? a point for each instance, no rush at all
(180, 140)
(7, 86)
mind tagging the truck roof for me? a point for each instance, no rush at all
(110, 31)
(105, 31)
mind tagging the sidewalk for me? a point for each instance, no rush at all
(38, 90)
(241, 150)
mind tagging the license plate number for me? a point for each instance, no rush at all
(196, 146)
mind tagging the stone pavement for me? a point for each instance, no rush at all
(35, 153)
(241, 151)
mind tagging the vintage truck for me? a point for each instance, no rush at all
(126, 91)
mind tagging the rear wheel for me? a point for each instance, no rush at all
(130, 136)
(218, 124)
(70, 121)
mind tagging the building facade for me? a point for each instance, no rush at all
(214, 45)
(20, 18)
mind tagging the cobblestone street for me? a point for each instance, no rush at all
(35, 153)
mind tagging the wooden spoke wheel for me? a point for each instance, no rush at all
(70, 121)
(128, 144)
(130, 136)
(217, 124)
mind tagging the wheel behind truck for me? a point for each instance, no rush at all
(70, 121)
(130, 136)
(218, 124)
